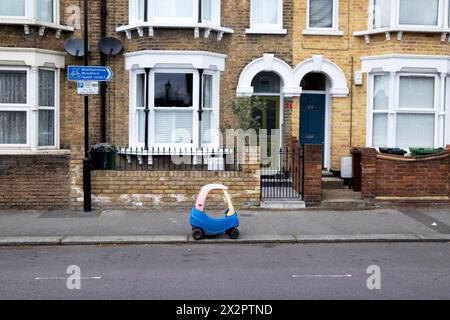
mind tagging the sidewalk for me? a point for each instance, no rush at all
(172, 226)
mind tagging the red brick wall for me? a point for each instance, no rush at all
(313, 174)
(396, 178)
(34, 181)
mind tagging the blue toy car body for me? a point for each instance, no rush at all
(212, 226)
(202, 224)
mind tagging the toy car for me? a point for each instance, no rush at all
(203, 225)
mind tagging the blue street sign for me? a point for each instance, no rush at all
(81, 73)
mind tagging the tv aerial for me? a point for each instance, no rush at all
(74, 47)
(110, 46)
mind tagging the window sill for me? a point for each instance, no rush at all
(312, 32)
(265, 31)
(42, 25)
(400, 30)
(29, 152)
(128, 29)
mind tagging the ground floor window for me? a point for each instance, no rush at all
(405, 110)
(27, 107)
(167, 106)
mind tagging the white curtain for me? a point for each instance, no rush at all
(140, 9)
(46, 128)
(13, 87)
(206, 10)
(45, 10)
(380, 130)
(140, 105)
(381, 93)
(417, 92)
(320, 13)
(13, 127)
(15, 8)
(382, 13)
(207, 91)
(173, 126)
(415, 130)
(206, 126)
(46, 88)
(173, 8)
(419, 12)
(265, 11)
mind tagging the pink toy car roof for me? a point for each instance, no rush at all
(201, 198)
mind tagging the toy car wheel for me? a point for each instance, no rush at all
(197, 234)
(234, 234)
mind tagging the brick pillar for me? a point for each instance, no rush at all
(368, 173)
(312, 158)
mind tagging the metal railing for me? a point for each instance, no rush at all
(177, 159)
(282, 174)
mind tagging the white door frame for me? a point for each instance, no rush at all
(327, 142)
(281, 124)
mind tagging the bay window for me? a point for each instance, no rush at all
(404, 110)
(39, 10)
(19, 87)
(173, 12)
(409, 13)
(172, 117)
(266, 16)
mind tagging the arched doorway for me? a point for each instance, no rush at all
(267, 86)
(315, 113)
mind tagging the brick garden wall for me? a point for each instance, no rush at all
(34, 181)
(394, 178)
(149, 189)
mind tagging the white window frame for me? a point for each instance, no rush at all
(394, 19)
(333, 31)
(266, 28)
(19, 107)
(55, 109)
(173, 21)
(31, 15)
(394, 110)
(134, 120)
(31, 107)
(153, 108)
(215, 102)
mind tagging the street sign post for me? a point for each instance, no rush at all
(89, 73)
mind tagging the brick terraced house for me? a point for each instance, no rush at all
(334, 74)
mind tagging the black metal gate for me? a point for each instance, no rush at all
(282, 173)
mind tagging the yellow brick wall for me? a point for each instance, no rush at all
(342, 50)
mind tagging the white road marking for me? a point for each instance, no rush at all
(322, 276)
(64, 278)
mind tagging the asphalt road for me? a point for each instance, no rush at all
(314, 271)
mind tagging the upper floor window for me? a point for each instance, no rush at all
(40, 10)
(176, 11)
(410, 13)
(266, 16)
(322, 17)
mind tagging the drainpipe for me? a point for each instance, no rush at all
(351, 103)
(103, 62)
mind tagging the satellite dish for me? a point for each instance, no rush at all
(74, 47)
(110, 46)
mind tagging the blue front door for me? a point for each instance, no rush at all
(312, 119)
